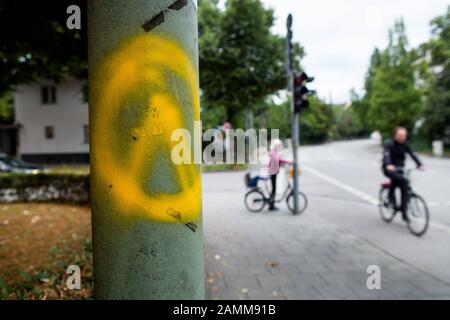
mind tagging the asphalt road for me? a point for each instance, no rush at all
(351, 173)
(324, 252)
(356, 164)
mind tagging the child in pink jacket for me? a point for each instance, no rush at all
(274, 167)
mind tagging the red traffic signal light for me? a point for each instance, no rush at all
(301, 92)
(302, 78)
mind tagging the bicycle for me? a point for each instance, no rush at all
(417, 212)
(257, 198)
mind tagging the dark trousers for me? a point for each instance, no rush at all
(398, 181)
(273, 179)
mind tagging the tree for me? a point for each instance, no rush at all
(359, 108)
(394, 99)
(437, 106)
(36, 44)
(6, 109)
(360, 104)
(375, 63)
(316, 121)
(212, 115)
(279, 117)
(347, 123)
(241, 61)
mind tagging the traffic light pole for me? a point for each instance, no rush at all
(295, 144)
(146, 210)
(295, 115)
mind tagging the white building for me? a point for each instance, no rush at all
(52, 122)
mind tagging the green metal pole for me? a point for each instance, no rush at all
(295, 117)
(146, 210)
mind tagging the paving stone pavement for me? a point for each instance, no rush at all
(275, 255)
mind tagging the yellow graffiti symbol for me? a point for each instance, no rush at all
(144, 59)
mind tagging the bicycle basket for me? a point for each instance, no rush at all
(251, 182)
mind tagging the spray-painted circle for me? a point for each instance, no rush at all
(143, 59)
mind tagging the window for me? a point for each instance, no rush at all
(85, 93)
(85, 134)
(48, 95)
(49, 132)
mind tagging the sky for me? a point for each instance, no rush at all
(339, 36)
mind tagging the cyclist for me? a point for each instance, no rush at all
(394, 154)
(274, 168)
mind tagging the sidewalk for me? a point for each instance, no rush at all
(275, 255)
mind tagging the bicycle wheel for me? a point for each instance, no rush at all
(255, 200)
(418, 215)
(302, 202)
(387, 212)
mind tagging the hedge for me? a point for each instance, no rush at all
(45, 187)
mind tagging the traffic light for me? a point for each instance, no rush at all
(301, 92)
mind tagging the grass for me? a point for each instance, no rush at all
(69, 169)
(223, 167)
(84, 169)
(50, 282)
(37, 244)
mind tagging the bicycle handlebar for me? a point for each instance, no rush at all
(406, 172)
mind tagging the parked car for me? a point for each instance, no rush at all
(10, 164)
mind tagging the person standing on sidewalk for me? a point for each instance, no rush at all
(274, 167)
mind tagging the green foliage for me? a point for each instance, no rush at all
(6, 108)
(45, 187)
(224, 167)
(420, 143)
(395, 100)
(437, 106)
(375, 63)
(440, 44)
(437, 109)
(359, 108)
(316, 122)
(279, 117)
(393, 97)
(212, 115)
(36, 44)
(360, 105)
(51, 283)
(347, 123)
(241, 61)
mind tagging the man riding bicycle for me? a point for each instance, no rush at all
(394, 154)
